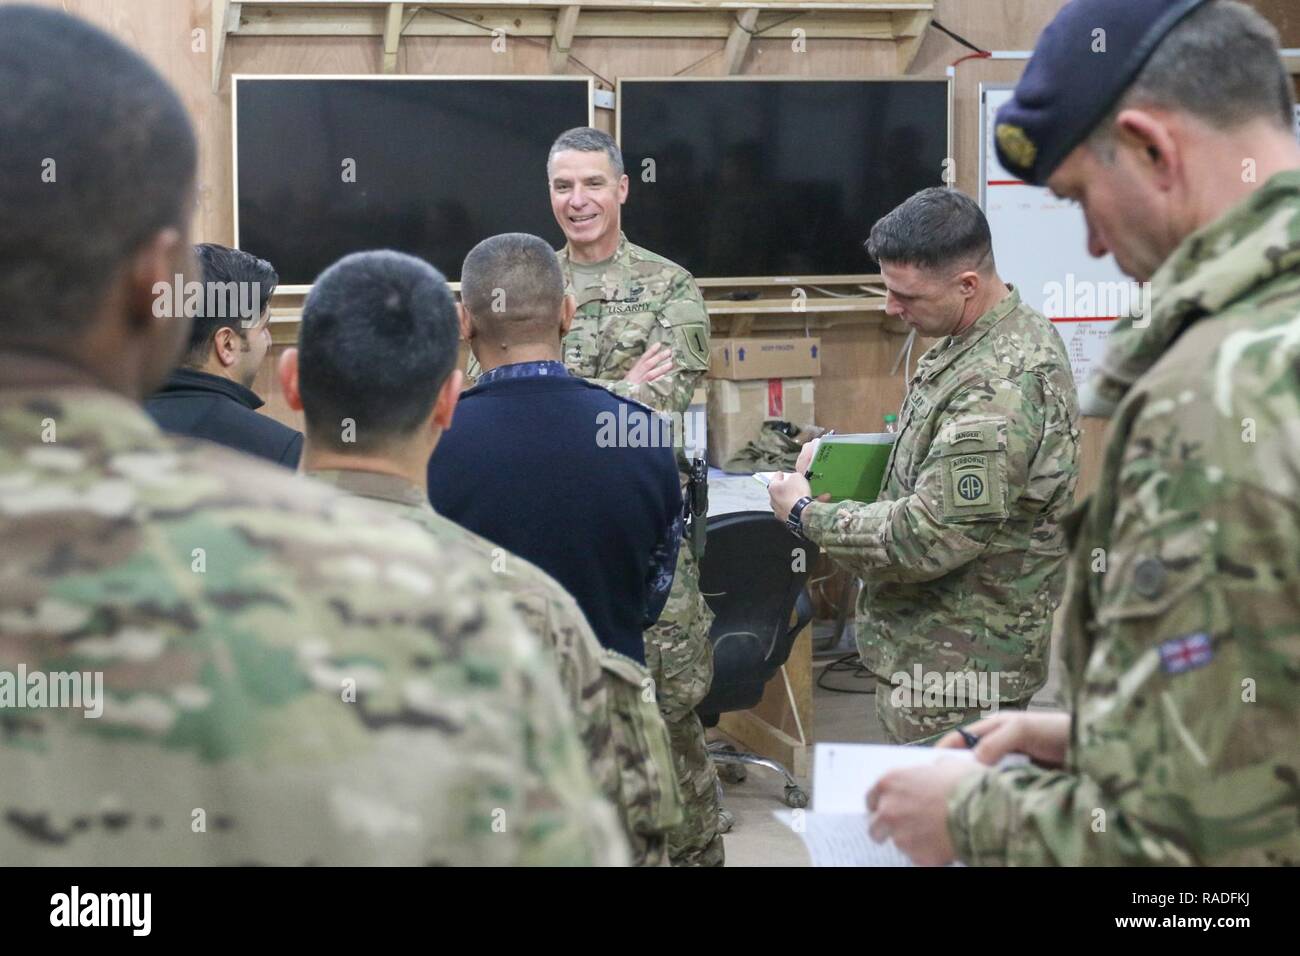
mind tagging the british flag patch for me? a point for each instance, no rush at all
(1186, 653)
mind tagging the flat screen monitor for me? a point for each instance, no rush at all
(429, 166)
(752, 177)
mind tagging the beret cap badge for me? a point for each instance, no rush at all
(1016, 146)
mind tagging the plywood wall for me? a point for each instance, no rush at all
(855, 389)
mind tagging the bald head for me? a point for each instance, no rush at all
(512, 288)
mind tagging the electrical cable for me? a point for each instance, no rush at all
(960, 39)
(842, 665)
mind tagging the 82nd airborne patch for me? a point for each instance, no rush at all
(970, 481)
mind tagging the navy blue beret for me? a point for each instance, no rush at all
(1076, 76)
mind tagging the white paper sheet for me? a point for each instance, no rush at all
(835, 830)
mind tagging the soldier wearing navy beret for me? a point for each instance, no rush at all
(1082, 64)
(1170, 123)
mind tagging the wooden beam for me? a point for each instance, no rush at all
(392, 36)
(909, 27)
(786, 306)
(565, 24)
(225, 19)
(704, 22)
(875, 6)
(742, 31)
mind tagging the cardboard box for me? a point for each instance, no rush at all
(755, 358)
(737, 411)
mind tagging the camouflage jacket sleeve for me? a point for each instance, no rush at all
(967, 483)
(624, 737)
(682, 324)
(649, 796)
(1188, 707)
(568, 821)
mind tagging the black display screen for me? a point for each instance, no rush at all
(775, 178)
(439, 164)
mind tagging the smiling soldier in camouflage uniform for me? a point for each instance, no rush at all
(1182, 621)
(345, 339)
(289, 676)
(961, 554)
(641, 330)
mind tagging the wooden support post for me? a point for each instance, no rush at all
(225, 19)
(738, 41)
(565, 24)
(392, 36)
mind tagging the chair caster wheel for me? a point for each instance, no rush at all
(733, 773)
(796, 797)
(726, 820)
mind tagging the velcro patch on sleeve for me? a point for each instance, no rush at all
(1186, 653)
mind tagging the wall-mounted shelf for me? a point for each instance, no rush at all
(736, 22)
(727, 316)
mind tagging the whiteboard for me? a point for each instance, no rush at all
(1041, 247)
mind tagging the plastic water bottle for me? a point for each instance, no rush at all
(891, 424)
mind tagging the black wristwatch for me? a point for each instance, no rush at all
(794, 520)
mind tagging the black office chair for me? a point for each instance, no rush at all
(747, 577)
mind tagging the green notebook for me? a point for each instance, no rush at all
(851, 467)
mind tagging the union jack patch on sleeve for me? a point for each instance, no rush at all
(1186, 653)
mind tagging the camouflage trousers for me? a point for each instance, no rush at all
(904, 723)
(680, 659)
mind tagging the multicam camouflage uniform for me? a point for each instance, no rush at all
(633, 301)
(619, 724)
(1183, 612)
(960, 554)
(290, 676)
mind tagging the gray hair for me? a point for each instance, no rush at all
(935, 228)
(1221, 65)
(587, 139)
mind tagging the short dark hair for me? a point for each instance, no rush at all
(228, 274)
(377, 341)
(97, 155)
(1221, 64)
(512, 281)
(937, 227)
(587, 139)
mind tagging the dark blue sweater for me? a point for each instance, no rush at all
(208, 406)
(521, 465)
